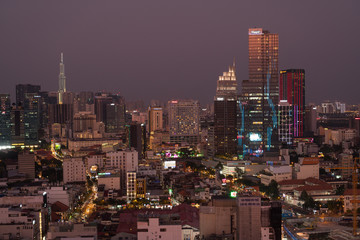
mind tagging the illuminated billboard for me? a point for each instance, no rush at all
(169, 164)
(255, 137)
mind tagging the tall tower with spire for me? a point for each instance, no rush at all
(62, 80)
(225, 118)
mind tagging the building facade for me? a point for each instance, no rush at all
(225, 117)
(292, 89)
(260, 94)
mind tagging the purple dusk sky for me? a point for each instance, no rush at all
(161, 49)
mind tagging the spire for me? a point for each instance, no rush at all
(234, 62)
(62, 58)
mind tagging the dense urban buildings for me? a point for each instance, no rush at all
(259, 164)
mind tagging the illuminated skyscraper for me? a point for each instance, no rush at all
(184, 117)
(225, 113)
(292, 89)
(260, 94)
(62, 80)
(5, 120)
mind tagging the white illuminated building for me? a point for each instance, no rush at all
(74, 170)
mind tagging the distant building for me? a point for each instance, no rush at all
(22, 90)
(26, 164)
(5, 120)
(125, 161)
(74, 170)
(137, 138)
(286, 126)
(62, 81)
(276, 173)
(131, 185)
(155, 119)
(158, 228)
(346, 162)
(110, 180)
(292, 89)
(307, 167)
(72, 231)
(184, 117)
(260, 94)
(225, 117)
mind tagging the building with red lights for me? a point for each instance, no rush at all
(292, 89)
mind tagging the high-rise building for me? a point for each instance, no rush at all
(184, 118)
(26, 164)
(259, 98)
(285, 128)
(62, 80)
(115, 114)
(155, 119)
(5, 120)
(225, 106)
(17, 126)
(22, 89)
(292, 89)
(32, 106)
(137, 138)
(249, 220)
(84, 102)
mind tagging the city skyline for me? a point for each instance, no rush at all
(118, 58)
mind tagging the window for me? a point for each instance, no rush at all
(162, 229)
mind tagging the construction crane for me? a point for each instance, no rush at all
(355, 168)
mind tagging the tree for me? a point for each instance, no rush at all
(340, 190)
(273, 190)
(304, 196)
(219, 166)
(239, 172)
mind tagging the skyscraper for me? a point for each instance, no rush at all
(285, 116)
(62, 80)
(5, 120)
(32, 106)
(184, 117)
(22, 89)
(225, 113)
(155, 119)
(292, 89)
(260, 94)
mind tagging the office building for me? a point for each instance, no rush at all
(115, 114)
(32, 106)
(184, 118)
(5, 120)
(26, 164)
(249, 220)
(285, 125)
(292, 89)
(155, 119)
(17, 126)
(260, 95)
(22, 90)
(225, 107)
(137, 138)
(84, 102)
(62, 81)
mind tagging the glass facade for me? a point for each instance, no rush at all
(292, 89)
(260, 94)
